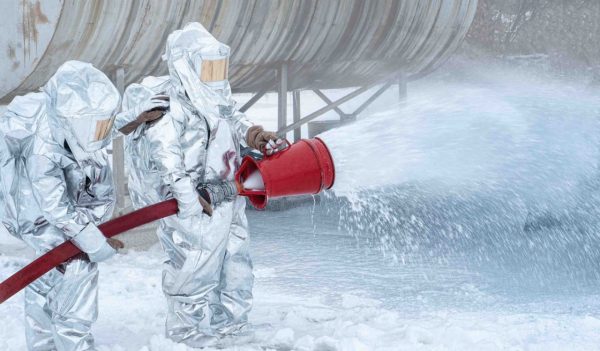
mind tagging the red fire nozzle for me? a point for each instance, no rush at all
(305, 167)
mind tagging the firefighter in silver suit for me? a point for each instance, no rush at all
(208, 277)
(57, 186)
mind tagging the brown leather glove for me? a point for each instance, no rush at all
(206, 206)
(257, 138)
(115, 243)
(156, 111)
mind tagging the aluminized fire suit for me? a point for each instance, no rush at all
(208, 277)
(57, 186)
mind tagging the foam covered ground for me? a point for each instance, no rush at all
(426, 268)
(317, 289)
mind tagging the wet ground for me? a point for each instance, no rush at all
(320, 288)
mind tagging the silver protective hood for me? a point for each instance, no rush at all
(188, 54)
(82, 106)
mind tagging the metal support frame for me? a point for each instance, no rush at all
(297, 114)
(253, 100)
(334, 105)
(282, 78)
(322, 110)
(118, 155)
(370, 100)
(282, 85)
(402, 87)
(343, 115)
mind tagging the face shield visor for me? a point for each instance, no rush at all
(92, 133)
(212, 70)
(204, 81)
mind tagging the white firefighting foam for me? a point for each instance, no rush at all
(254, 182)
(525, 135)
(320, 289)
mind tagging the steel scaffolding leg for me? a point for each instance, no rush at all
(297, 116)
(252, 101)
(343, 115)
(282, 78)
(348, 117)
(402, 87)
(322, 110)
(371, 99)
(118, 155)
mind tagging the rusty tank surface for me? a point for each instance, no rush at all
(325, 43)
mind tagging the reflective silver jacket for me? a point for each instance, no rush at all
(43, 183)
(183, 144)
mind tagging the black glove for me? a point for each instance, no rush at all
(219, 192)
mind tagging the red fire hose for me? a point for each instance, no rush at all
(68, 250)
(305, 167)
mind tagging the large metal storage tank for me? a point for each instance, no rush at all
(326, 43)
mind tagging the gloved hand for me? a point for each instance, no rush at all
(115, 243)
(258, 138)
(206, 206)
(145, 112)
(218, 193)
(91, 241)
(188, 200)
